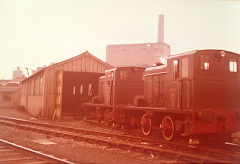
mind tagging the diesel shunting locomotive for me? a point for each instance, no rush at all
(193, 94)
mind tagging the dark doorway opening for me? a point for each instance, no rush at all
(78, 87)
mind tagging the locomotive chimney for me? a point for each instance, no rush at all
(161, 28)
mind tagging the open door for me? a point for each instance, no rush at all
(58, 110)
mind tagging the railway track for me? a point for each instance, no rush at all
(172, 150)
(16, 154)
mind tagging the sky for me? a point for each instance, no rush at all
(34, 33)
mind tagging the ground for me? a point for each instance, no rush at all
(69, 149)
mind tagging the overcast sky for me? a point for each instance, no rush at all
(34, 33)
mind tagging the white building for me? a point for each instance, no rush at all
(142, 55)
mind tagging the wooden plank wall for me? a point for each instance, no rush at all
(38, 93)
(9, 99)
(31, 94)
(84, 63)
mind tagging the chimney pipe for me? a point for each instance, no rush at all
(161, 28)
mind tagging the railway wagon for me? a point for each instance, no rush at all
(194, 94)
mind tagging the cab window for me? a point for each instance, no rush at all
(110, 78)
(233, 65)
(176, 69)
(204, 62)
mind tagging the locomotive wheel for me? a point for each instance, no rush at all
(168, 129)
(146, 124)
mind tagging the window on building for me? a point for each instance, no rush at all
(176, 68)
(40, 85)
(32, 87)
(90, 90)
(24, 89)
(29, 88)
(81, 89)
(74, 90)
(233, 65)
(35, 87)
(204, 62)
(185, 67)
(6, 97)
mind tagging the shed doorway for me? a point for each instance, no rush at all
(77, 88)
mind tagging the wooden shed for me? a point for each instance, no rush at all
(63, 87)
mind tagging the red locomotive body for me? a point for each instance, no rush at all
(198, 92)
(194, 94)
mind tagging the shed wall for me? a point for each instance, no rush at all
(49, 92)
(35, 105)
(38, 92)
(31, 94)
(15, 99)
(9, 99)
(82, 64)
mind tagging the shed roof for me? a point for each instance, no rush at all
(86, 53)
(8, 89)
(13, 84)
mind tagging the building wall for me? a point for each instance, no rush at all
(38, 92)
(141, 55)
(5, 100)
(35, 105)
(15, 99)
(84, 63)
(17, 74)
(31, 94)
(49, 91)
(22, 100)
(9, 99)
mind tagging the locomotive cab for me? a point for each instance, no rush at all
(216, 92)
(123, 84)
(179, 82)
(201, 93)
